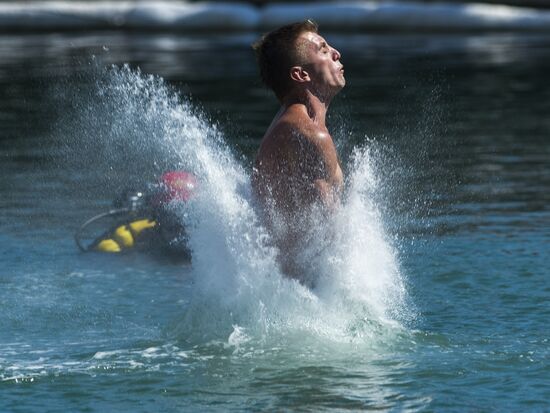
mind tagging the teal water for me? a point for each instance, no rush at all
(435, 298)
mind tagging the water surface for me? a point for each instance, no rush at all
(437, 296)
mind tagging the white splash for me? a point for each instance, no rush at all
(236, 275)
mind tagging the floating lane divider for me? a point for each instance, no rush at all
(165, 15)
(375, 15)
(205, 17)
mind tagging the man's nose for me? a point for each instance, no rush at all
(335, 54)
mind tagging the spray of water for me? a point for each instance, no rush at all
(240, 291)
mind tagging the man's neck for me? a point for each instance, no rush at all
(316, 107)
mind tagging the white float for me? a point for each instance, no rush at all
(408, 16)
(218, 16)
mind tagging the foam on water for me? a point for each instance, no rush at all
(239, 291)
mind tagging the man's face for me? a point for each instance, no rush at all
(323, 63)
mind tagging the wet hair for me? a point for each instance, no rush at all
(278, 51)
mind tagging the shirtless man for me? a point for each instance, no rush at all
(297, 177)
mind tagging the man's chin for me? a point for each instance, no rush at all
(341, 81)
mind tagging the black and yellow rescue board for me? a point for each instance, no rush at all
(123, 237)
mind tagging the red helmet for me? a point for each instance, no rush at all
(176, 186)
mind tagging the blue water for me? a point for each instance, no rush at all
(434, 298)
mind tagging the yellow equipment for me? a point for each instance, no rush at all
(122, 237)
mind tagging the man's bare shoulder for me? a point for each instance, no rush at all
(298, 127)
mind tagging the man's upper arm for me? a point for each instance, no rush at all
(323, 158)
(321, 166)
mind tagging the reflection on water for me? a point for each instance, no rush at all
(457, 131)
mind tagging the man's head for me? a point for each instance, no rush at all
(295, 53)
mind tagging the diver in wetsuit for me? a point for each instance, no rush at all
(147, 221)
